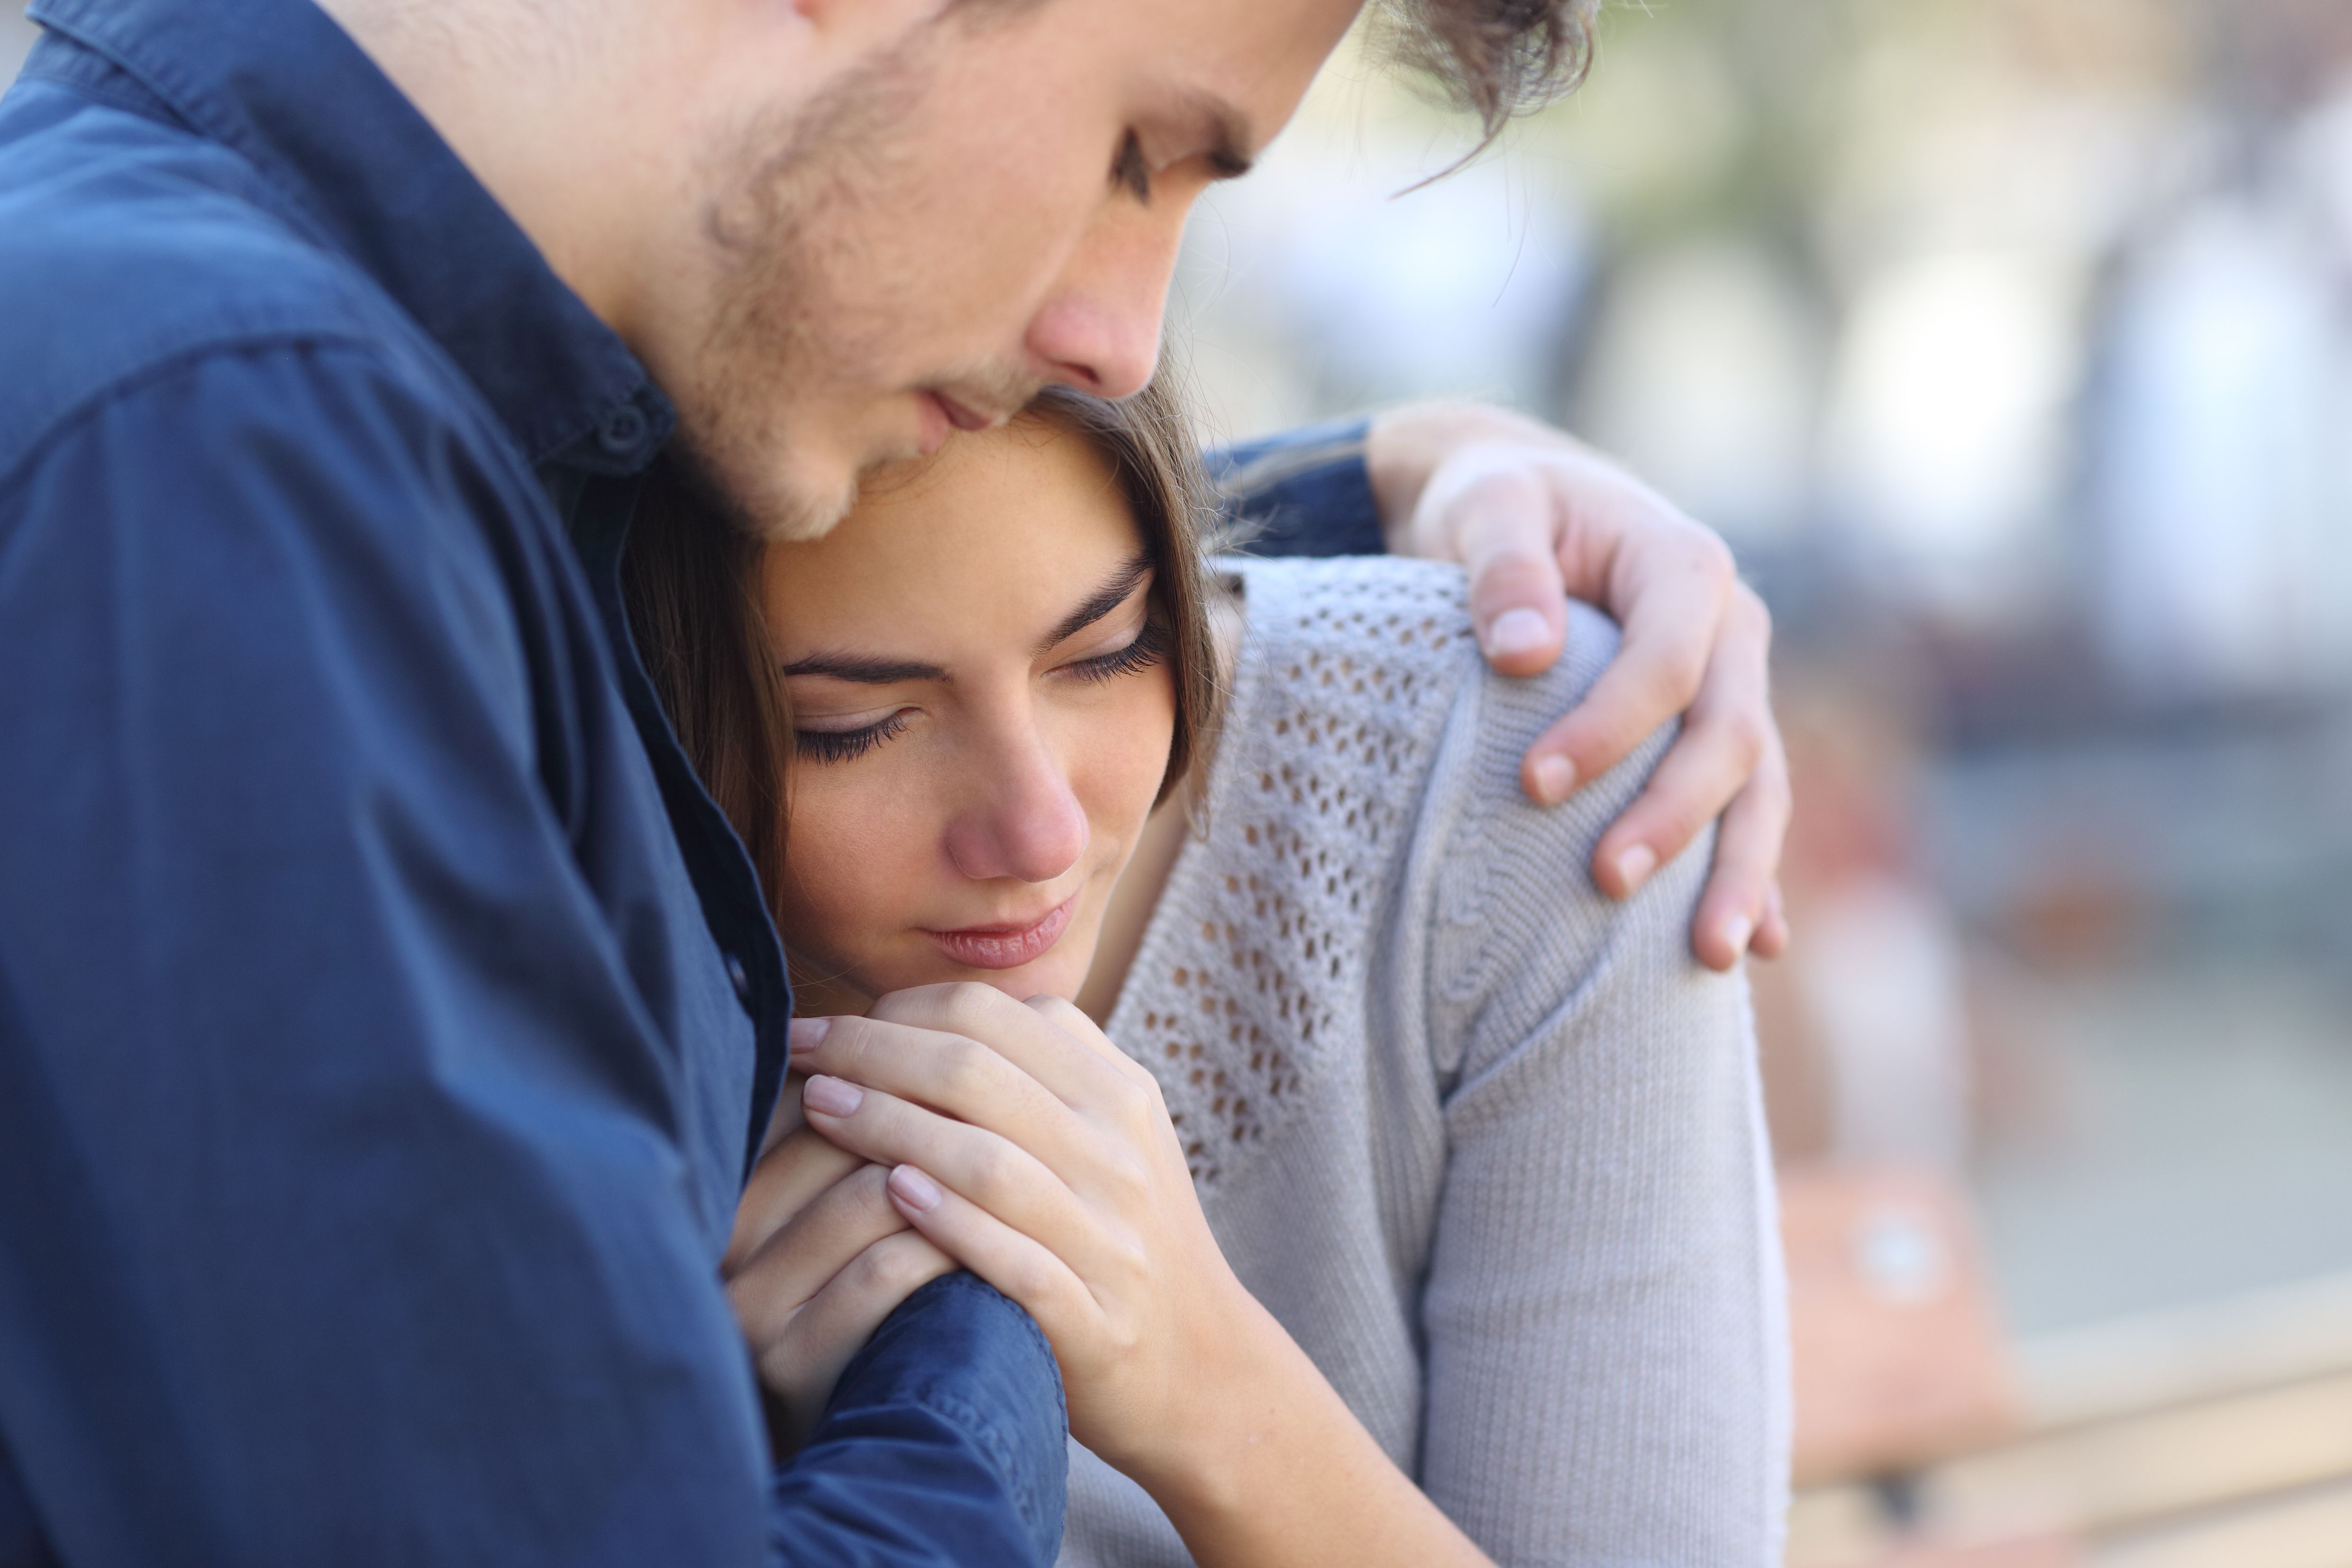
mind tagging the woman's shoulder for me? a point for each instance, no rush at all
(1394, 632)
(1505, 886)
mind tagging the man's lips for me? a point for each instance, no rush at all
(1002, 946)
(964, 417)
(939, 414)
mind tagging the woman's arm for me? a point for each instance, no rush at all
(1060, 1181)
(1606, 1378)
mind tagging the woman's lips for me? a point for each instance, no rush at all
(1006, 947)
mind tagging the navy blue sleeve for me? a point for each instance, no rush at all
(1303, 493)
(954, 1367)
(343, 1216)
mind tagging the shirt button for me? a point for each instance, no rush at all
(623, 431)
(741, 980)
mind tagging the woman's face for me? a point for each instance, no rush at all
(983, 707)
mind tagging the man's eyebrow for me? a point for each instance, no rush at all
(1226, 129)
(864, 671)
(1114, 593)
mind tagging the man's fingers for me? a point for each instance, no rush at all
(1493, 512)
(1674, 626)
(787, 1180)
(1741, 899)
(801, 1363)
(828, 1329)
(810, 1249)
(1724, 742)
(1016, 1264)
(1771, 939)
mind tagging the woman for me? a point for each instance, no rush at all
(1454, 1235)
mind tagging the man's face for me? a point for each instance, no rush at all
(989, 203)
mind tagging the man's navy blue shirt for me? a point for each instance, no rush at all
(386, 1014)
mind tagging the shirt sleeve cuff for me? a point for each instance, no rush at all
(1303, 493)
(947, 1440)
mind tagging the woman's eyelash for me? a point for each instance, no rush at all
(845, 745)
(1150, 647)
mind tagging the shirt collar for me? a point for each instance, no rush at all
(281, 83)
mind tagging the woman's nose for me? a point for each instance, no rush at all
(1027, 825)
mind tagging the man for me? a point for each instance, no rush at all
(386, 1015)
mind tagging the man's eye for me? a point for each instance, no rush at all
(1129, 169)
(845, 745)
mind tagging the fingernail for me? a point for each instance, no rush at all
(1635, 866)
(914, 1189)
(1516, 631)
(1555, 780)
(831, 1096)
(807, 1034)
(1736, 932)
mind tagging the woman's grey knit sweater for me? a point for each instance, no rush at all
(1488, 1144)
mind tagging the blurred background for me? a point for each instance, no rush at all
(2009, 344)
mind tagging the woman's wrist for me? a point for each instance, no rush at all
(1239, 1402)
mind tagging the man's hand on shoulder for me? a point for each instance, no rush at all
(1537, 518)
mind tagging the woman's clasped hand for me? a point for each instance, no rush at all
(1017, 1140)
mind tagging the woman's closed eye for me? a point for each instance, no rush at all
(1149, 646)
(850, 736)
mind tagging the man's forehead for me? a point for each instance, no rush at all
(1230, 72)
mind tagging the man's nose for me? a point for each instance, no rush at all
(1099, 329)
(1028, 824)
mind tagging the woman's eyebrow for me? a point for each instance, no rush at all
(1114, 593)
(864, 671)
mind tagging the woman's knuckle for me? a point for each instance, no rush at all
(964, 1065)
(1135, 1105)
(965, 1005)
(993, 1170)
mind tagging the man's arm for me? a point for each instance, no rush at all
(344, 1216)
(1536, 518)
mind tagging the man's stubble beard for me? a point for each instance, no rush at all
(772, 328)
(782, 339)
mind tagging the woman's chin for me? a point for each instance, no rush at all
(1056, 973)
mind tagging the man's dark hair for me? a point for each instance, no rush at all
(1497, 58)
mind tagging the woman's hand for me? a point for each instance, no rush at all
(819, 1258)
(1027, 1147)
(1047, 1164)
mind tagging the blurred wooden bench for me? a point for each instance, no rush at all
(2214, 1437)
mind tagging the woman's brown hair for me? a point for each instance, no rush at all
(690, 581)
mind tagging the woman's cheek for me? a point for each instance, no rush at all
(849, 869)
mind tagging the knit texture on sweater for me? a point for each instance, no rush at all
(1489, 1145)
